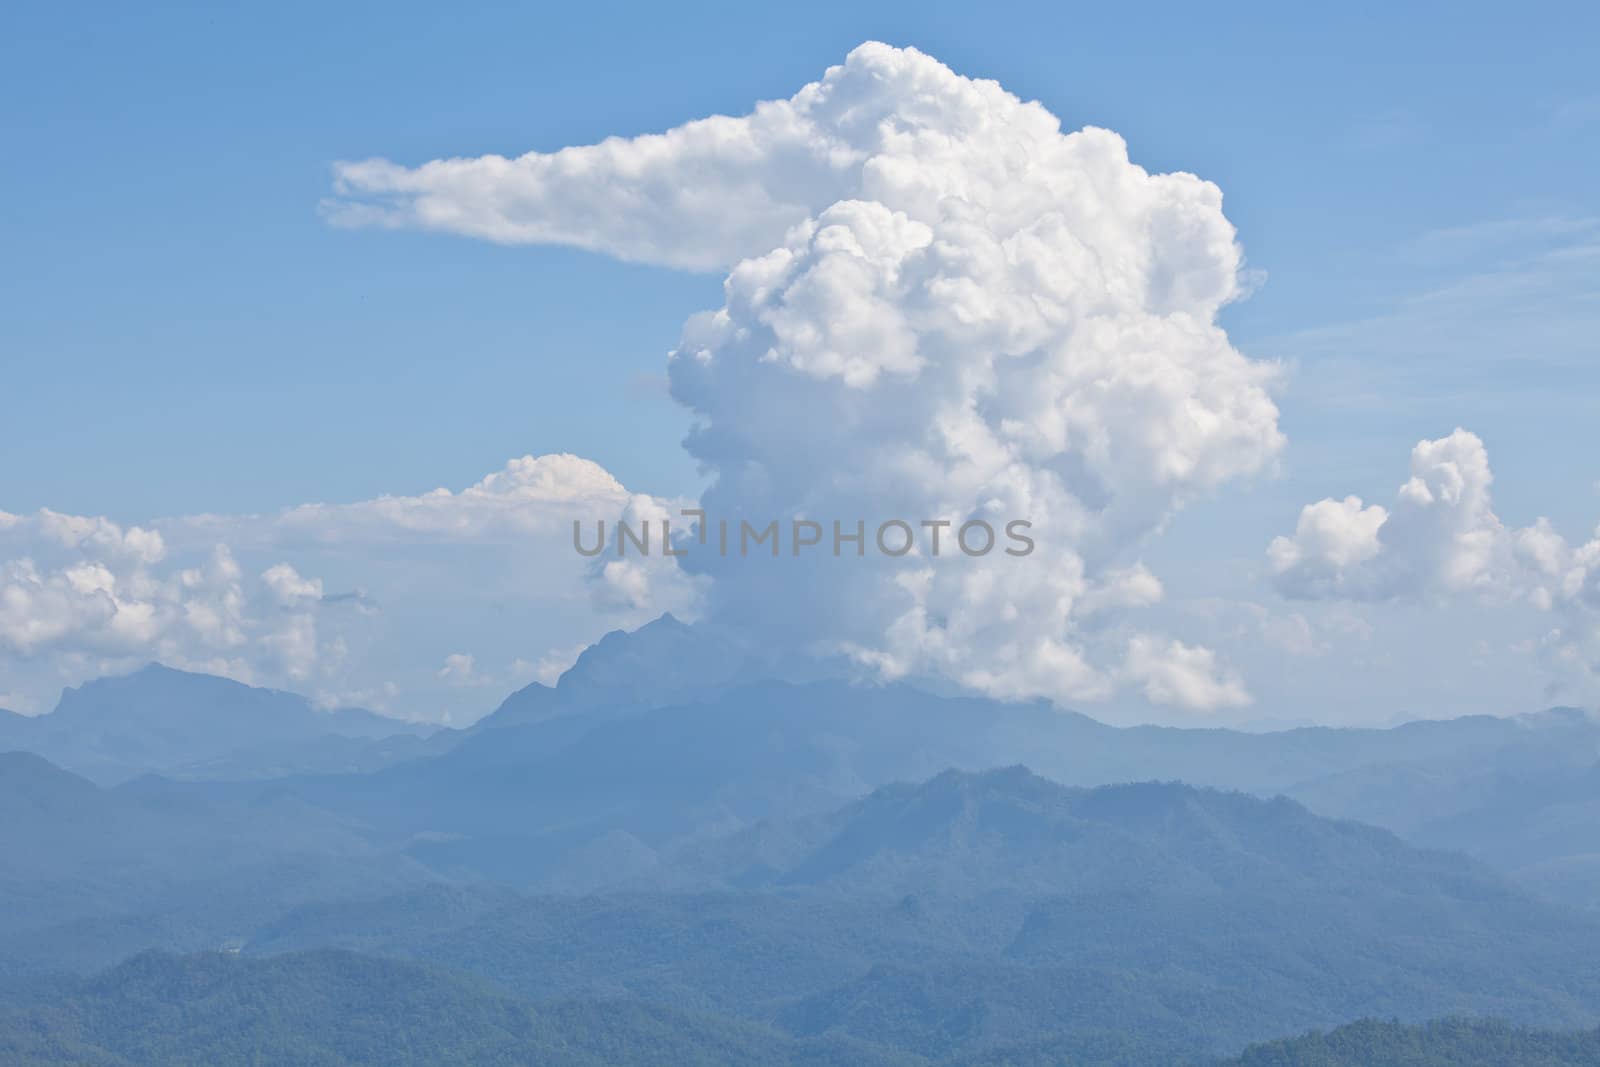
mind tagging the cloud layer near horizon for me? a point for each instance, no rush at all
(83, 596)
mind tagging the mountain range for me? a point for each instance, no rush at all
(963, 914)
(784, 863)
(185, 725)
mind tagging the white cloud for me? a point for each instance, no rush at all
(532, 503)
(461, 669)
(1171, 672)
(940, 307)
(98, 536)
(704, 195)
(1442, 539)
(1441, 536)
(1331, 536)
(532, 494)
(549, 668)
(91, 589)
(288, 588)
(995, 320)
(82, 596)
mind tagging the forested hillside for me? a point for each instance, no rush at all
(335, 1008)
(1450, 1043)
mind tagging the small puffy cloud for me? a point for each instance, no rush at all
(38, 608)
(460, 669)
(1442, 539)
(96, 536)
(1331, 537)
(549, 668)
(99, 536)
(1121, 589)
(1185, 676)
(290, 590)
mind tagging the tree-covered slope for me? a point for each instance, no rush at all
(341, 1009)
(1449, 1043)
(977, 910)
(336, 1008)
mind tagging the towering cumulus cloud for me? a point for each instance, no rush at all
(940, 307)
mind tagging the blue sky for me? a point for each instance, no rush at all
(185, 333)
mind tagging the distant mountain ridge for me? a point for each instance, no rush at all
(87, 871)
(676, 728)
(946, 917)
(976, 910)
(963, 834)
(161, 720)
(786, 866)
(534, 801)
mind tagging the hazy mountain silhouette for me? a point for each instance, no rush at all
(964, 834)
(975, 910)
(175, 722)
(89, 874)
(658, 734)
(597, 775)
(835, 865)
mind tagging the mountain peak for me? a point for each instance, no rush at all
(663, 662)
(156, 668)
(148, 681)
